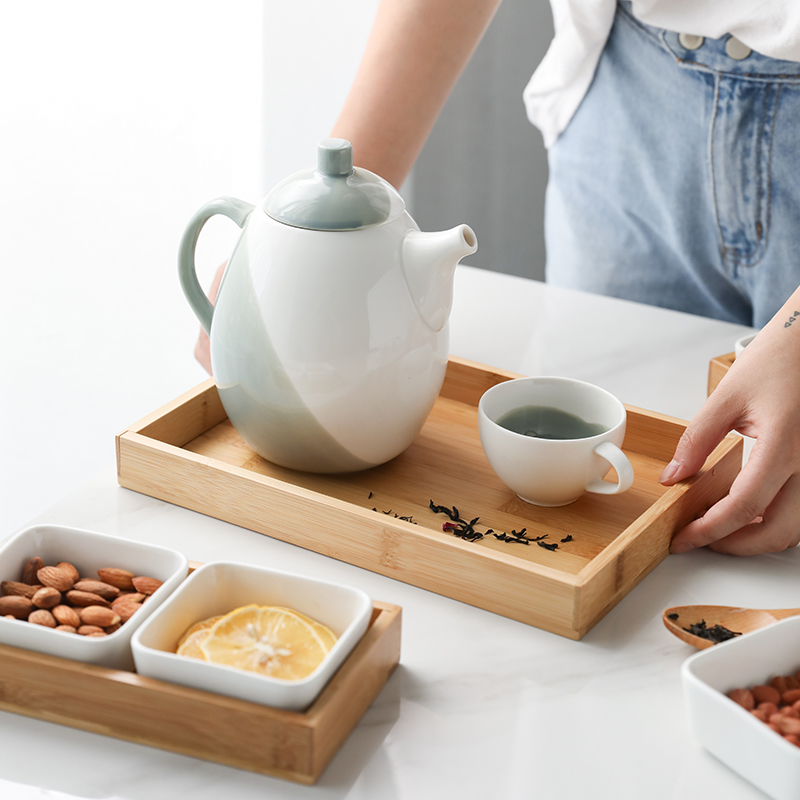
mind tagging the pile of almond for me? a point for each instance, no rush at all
(58, 597)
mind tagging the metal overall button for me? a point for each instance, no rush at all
(690, 42)
(736, 49)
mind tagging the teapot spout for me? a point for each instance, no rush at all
(429, 261)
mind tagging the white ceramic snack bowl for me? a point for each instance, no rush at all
(88, 551)
(221, 586)
(728, 731)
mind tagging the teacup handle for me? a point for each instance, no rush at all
(238, 211)
(611, 453)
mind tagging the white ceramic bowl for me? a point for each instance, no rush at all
(220, 587)
(728, 731)
(88, 551)
(742, 343)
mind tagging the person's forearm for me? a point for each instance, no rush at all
(414, 56)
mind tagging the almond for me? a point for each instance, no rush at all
(126, 610)
(90, 630)
(785, 724)
(105, 590)
(70, 569)
(46, 597)
(120, 578)
(30, 569)
(111, 628)
(97, 615)
(128, 597)
(96, 634)
(41, 616)
(78, 598)
(66, 615)
(146, 585)
(55, 577)
(66, 628)
(18, 588)
(16, 605)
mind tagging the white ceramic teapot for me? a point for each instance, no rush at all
(329, 337)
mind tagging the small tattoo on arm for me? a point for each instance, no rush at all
(791, 319)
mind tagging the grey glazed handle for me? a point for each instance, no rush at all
(238, 211)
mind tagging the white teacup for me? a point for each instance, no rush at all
(555, 471)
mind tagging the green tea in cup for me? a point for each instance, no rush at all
(548, 422)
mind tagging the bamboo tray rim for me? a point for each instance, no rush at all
(188, 453)
(137, 432)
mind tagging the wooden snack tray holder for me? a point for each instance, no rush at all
(296, 746)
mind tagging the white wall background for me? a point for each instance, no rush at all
(118, 120)
(312, 49)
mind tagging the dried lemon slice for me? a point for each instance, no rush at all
(189, 644)
(326, 635)
(268, 640)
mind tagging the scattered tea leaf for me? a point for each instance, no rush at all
(716, 633)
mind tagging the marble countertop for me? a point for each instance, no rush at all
(480, 706)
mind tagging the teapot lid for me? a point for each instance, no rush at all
(335, 196)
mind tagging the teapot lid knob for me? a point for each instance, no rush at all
(335, 157)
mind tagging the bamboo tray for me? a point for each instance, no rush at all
(284, 744)
(717, 368)
(188, 453)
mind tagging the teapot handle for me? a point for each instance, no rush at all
(238, 211)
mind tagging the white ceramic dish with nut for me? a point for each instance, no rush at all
(88, 551)
(220, 587)
(732, 734)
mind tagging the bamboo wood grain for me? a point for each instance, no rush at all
(717, 368)
(291, 745)
(616, 540)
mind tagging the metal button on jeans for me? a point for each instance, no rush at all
(690, 41)
(736, 49)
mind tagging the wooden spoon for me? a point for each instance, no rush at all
(737, 620)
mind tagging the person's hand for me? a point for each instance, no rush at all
(758, 397)
(202, 351)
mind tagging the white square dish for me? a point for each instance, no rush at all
(88, 551)
(729, 732)
(220, 587)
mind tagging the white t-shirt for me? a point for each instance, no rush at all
(770, 27)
